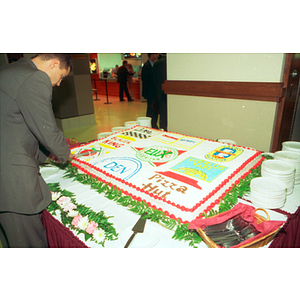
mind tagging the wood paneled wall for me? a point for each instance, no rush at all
(262, 91)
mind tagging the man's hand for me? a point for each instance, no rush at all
(55, 159)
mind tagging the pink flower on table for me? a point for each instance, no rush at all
(76, 220)
(91, 227)
(70, 207)
(63, 201)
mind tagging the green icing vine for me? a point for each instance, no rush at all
(94, 226)
(182, 233)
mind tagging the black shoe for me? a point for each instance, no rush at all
(122, 100)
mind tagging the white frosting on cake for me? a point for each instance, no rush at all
(183, 176)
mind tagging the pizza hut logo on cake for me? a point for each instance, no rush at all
(224, 153)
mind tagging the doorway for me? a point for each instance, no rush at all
(288, 108)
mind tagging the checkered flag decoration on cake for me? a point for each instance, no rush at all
(135, 134)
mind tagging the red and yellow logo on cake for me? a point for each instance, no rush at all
(224, 153)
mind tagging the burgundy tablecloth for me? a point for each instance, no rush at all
(289, 234)
(61, 237)
(58, 235)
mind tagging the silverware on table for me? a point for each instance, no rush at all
(137, 228)
(86, 153)
(45, 165)
(231, 232)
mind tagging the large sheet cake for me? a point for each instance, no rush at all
(181, 175)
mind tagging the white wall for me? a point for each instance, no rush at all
(249, 123)
(254, 67)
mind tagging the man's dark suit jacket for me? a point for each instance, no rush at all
(122, 75)
(26, 119)
(148, 84)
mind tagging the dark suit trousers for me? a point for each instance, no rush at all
(152, 113)
(163, 112)
(22, 231)
(124, 88)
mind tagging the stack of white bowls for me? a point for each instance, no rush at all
(227, 141)
(103, 135)
(291, 146)
(117, 129)
(267, 192)
(144, 121)
(278, 169)
(291, 157)
(130, 124)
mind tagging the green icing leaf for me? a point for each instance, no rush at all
(181, 231)
(99, 218)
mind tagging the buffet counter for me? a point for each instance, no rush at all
(113, 87)
(155, 235)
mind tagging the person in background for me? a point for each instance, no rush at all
(114, 71)
(148, 88)
(160, 75)
(130, 79)
(29, 135)
(122, 79)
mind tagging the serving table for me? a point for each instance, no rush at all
(155, 235)
(112, 86)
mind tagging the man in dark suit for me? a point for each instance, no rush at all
(122, 79)
(160, 75)
(149, 89)
(28, 135)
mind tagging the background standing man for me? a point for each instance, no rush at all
(160, 75)
(149, 89)
(28, 135)
(122, 79)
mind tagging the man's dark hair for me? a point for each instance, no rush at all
(66, 60)
(124, 62)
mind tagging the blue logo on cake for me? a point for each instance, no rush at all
(121, 167)
(224, 153)
(200, 169)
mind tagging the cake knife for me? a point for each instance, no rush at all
(137, 228)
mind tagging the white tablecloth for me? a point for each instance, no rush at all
(123, 220)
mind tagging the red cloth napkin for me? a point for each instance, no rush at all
(247, 213)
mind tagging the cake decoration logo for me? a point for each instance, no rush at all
(224, 153)
(88, 153)
(140, 133)
(176, 140)
(123, 167)
(199, 168)
(115, 142)
(156, 154)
